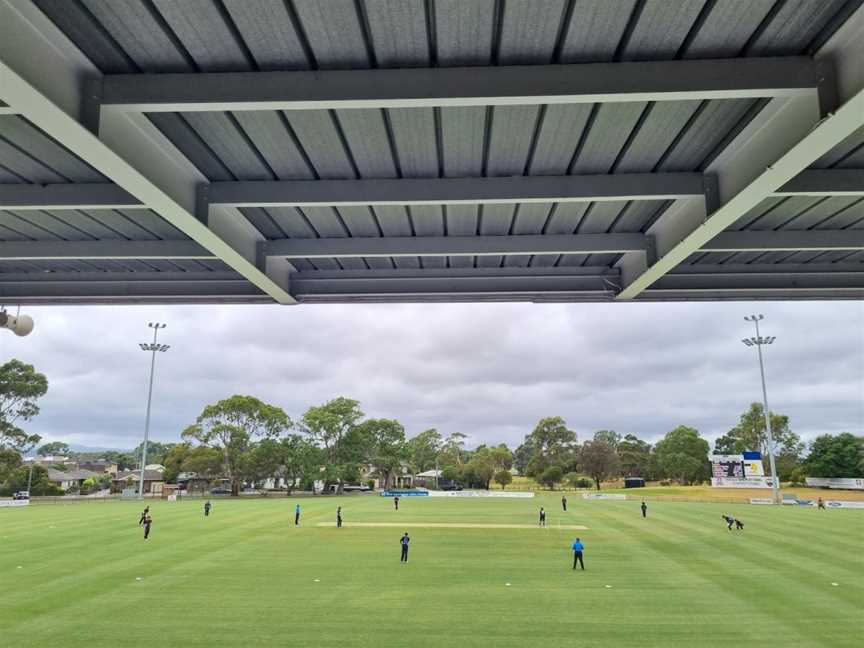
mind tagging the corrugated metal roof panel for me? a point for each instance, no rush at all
(795, 26)
(321, 140)
(269, 33)
(269, 134)
(367, 137)
(463, 31)
(727, 28)
(595, 30)
(219, 130)
(463, 133)
(529, 31)
(849, 154)
(335, 33)
(136, 225)
(561, 129)
(414, 132)
(610, 129)
(30, 154)
(512, 133)
(661, 29)
(398, 31)
(661, 123)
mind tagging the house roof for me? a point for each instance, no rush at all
(429, 473)
(70, 475)
(134, 475)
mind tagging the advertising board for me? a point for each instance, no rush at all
(604, 496)
(480, 494)
(15, 503)
(741, 482)
(836, 482)
(844, 504)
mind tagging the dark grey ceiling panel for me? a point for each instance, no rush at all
(463, 31)
(414, 132)
(367, 137)
(269, 134)
(137, 28)
(595, 30)
(335, 33)
(267, 29)
(512, 134)
(463, 135)
(849, 154)
(610, 129)
(796, 25)
(661, 123)
(211, 41)
(23, 146)
(529, 31)
(398, 32)
(318, 135)
(561, 129)
(661, 29)
(727, 28)
(226, 140)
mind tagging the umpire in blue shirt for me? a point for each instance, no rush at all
(578, 548)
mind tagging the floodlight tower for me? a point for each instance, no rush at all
(153, 348)
(758, 341)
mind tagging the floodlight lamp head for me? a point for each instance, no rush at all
(156, 325)
(747, 342)
(20, 325)
(754, 318)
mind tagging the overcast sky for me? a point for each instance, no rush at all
(487, 370)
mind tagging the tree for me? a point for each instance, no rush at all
(550, 443)
(503, 478)
(383, 441)
(683, 455)
(422, 450)
(609, 436)
(230, 425)
(331, 426)
(634, 456)
(173, 461)
(452, 452)
(204, 461)
(53, 448)
(482, 466)
(156, 452)
(598, 460)
(551, 476)
(301, 461)
(20, 387)
(836, 456)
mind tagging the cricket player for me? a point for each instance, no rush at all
(146, 523)
(564, 502)
(542, 517)
(404, 543)
(729, 521)
(207, 507)
(578, 548)
(396, 502)
(297, 515)
(644, 509)
(739, 525)
(143, 515)
(339, 517)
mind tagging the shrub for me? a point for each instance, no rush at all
(371, 484)
(551, 476)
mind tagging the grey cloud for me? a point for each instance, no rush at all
(487, 370)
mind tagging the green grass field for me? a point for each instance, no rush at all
(247, 577)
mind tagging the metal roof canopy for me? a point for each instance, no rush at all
(810, 106)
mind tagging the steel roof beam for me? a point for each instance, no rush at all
(45, 78)
(71, 250)
(785, 240)
(786, 137)
(824, 182)
(465, 86)
(400, 246)
(66, 196)
(413, 191)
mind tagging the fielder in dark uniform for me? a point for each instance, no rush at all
(542, 517)
(147, 522)
(564, 502)
(729, 521)
(297, 515)
(143, 515)
(739, 524)
(207, 506)
(578, 548)
(396, 502)
(644, 510)
(404, 540)
(339, 517)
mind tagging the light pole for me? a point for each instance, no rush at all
(153, 348)
(758, 341)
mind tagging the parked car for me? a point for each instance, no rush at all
(21, 495)
(220, 491)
